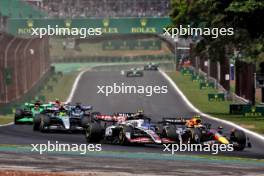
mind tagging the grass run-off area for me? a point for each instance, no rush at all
(61, 87)
(219, 109)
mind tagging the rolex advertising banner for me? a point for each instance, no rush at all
(132, 45)
(108, 25)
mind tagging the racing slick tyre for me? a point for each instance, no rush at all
(93, 116)
(36, 122)
(170, 132)
(196, 135)
(240, 138)
(18, 115)
(85, 121)
(93, 132)
(44, 122)
(122, 135)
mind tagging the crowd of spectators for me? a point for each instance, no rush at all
(105, 8)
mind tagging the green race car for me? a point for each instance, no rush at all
(27, 113)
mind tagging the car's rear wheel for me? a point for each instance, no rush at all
(170, 132)
(18, 115)
(36, 122)
(93, 132)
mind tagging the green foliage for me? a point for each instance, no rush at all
(245, 16)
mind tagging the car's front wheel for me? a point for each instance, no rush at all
(93, 132)
(239, 137)
(44, 123)
(122, 135)
(18, 115)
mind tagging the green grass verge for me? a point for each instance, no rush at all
(61, 87)
(6, 119)
(199, 98)
(61, 90)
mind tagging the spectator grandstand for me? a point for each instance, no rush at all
(103, 8)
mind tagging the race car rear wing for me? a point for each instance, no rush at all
(176, 121)
(110, 118)
(127, 114)
(83, 107)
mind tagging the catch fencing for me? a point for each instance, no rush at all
(23, 62)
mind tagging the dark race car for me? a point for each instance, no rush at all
(27, 113)
(151, 67)
(194, 131)
(67, 117)
(134, 72)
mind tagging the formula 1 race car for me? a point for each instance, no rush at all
(151, 66)
(123, 128)
(126, 128)
(134, 72)
(27, 113)
(194, 131)
(68, 117)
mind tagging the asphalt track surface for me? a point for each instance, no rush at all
(156, 106)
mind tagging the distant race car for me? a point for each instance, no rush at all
(67, 117)
(123, 128)
(135, 72)
(151, 66)
(27, 113)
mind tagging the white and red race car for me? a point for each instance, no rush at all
(124, 128)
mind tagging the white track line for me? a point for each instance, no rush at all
(206, 115)
(77, 79)
(8, 124)
(75, 85)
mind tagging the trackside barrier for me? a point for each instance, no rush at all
(205, 84)
(197, 78)
(216, 97)
(247, 110)
(110, 59)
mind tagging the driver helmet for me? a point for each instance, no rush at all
(78, 106)
(140, 113)
(57, 102)
(62, 108)
(37, 104)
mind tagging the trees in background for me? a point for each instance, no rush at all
(245, 16)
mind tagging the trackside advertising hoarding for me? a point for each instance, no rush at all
(108, 25)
